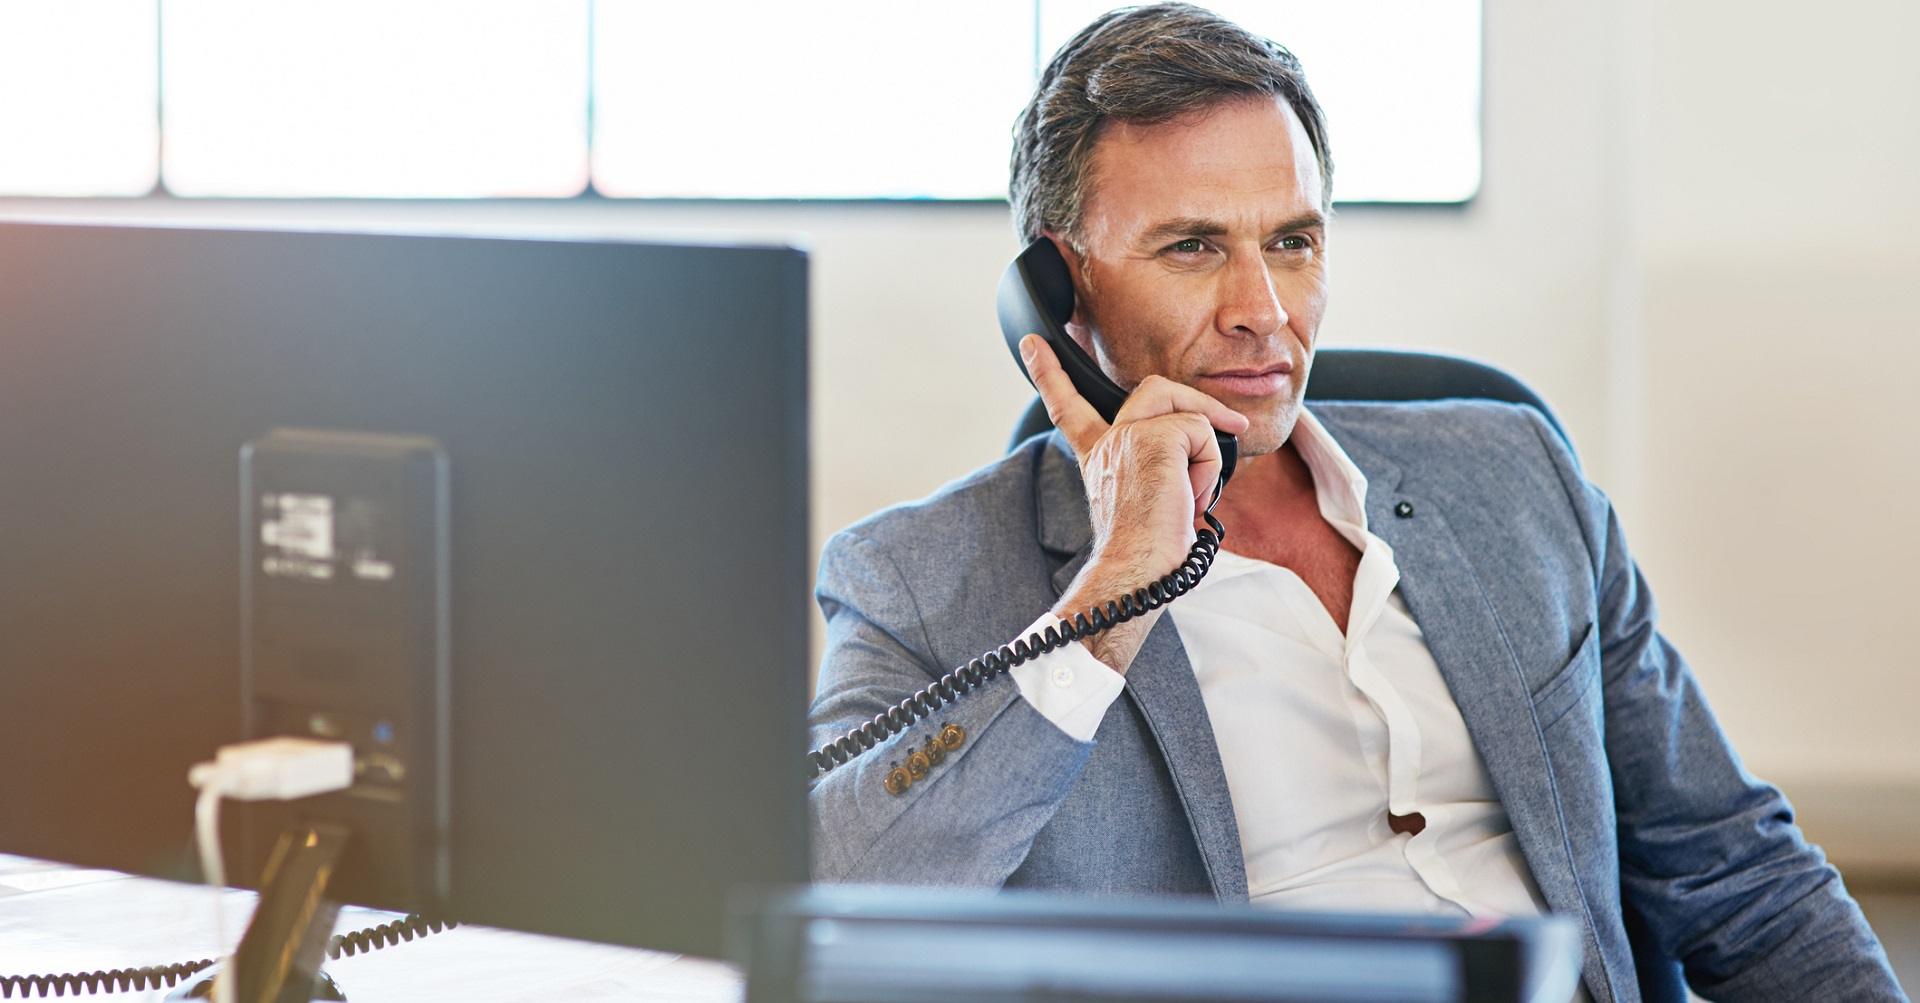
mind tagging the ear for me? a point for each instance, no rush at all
(1079, 327)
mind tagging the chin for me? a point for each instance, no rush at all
(1268, 433)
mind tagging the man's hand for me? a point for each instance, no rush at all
(1148, 476)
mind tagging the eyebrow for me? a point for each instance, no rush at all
(1196, 226)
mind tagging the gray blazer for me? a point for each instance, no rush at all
(1617, 779)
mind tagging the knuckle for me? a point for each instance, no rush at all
(1179, 423)
(1183, 425)
(1165, 440)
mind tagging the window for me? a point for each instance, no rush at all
(375, 98)
(822, 99)
(77, 97)
(843, 99)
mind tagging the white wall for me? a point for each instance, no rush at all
(1692, 239)
(1777, 474)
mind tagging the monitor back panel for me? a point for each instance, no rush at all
(626, 430)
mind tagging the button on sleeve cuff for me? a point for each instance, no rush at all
(1069, 687)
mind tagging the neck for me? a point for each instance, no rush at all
(1263, 486)
(1272, 513)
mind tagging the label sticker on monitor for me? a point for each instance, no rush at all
(296, 532)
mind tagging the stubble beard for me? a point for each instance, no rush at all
(1267, 433)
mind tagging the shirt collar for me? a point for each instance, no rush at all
(1338, 484)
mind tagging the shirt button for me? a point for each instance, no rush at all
(1063, 676)
(1412, 823)
(1404, 510)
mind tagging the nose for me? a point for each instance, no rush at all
(1249, 306)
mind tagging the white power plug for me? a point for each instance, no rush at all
(278, 769)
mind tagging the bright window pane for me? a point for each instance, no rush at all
(77, 97)
(382, 98)
(827, 99)
(1399, 81)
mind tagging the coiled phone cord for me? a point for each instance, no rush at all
(118, 980)
(122, 980)
(968, 677)
(374, 938)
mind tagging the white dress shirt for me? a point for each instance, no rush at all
(1322, 733)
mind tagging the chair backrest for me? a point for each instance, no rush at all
(1368, 374)
(1373, 374)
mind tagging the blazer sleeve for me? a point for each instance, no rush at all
(973, 816)
(1709, 854)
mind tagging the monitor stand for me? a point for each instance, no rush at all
(286, 941)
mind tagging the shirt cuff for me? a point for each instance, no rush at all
(1068, 686)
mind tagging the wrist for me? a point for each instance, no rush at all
(1122, 565)
(1102, 581)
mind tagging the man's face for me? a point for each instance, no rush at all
(1203, 259)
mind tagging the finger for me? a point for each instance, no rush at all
(1157, 395)
(1071, 414)
(1193, 434)
(1205, 484)
(1203, 473)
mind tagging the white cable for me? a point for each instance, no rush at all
(273, 769)
(206, 826)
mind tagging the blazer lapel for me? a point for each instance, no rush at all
(1160, 682)
(1162, 685)
(1445, 596)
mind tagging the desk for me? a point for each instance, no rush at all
(55, 918)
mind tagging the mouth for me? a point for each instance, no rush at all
(1251, 381)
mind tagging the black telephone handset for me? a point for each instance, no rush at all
(1036, 297)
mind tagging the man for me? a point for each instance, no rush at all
(1423, 674)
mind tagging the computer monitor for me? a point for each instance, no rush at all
(853, 944)
(615, 435)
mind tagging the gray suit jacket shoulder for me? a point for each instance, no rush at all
(1619, 783)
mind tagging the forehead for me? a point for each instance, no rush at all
(1242, 161)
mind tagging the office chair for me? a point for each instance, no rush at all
(1367, 374)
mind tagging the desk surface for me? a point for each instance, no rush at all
(55, 918)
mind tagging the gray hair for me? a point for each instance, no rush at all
(1141, 65)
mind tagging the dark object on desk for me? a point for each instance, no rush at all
(625, 426)
(876, 945)
(278, 961)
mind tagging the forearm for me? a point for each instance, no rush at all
(1722, 874)
(1822, 949)
(970, 820)
(1101, 582)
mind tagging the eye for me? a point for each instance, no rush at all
(1191, 245)
(1296, 242)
